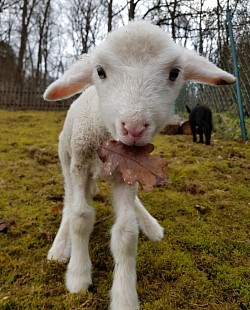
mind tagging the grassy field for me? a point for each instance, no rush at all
(203, 261)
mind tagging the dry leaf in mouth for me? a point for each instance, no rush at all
(134, 163)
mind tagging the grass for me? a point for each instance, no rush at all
(228, 125)
(202, 262)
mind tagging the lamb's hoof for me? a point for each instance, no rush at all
(58, 255)
(77, 283)
(124, 307)
(153, 230)
(124, 303)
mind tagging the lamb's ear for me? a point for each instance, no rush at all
(198, 68)
(73, 81)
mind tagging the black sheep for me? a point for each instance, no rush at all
(200, 118)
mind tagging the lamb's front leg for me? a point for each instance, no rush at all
(124, 248)
(82, 217)
(61, 247)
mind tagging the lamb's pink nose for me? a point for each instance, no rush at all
(133, 131)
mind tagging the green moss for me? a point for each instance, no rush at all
(202, 262)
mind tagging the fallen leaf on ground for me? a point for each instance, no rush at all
(3, 226)
(134, 163)
(57, 208)
(201, 209)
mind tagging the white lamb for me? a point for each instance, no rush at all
(134, 78)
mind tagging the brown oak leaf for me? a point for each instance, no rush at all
(134, 163)
(3, 226)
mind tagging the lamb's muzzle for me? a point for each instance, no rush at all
(133, 133)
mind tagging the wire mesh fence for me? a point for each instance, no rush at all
(28, 97)
(223, 99)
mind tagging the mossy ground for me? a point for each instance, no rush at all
(203, 262)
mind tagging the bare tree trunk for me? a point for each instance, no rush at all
(41, 38)
(173, 17)
(45, 53)
(131, 9)
(200, 28)
(24, 38)
(110, 15)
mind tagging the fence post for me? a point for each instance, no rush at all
(236, 73)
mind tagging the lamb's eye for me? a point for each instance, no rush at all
(101, 73)
(173, 75)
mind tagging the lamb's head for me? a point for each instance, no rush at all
(138, 73)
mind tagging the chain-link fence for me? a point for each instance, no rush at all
(223, 100)
(223, 103)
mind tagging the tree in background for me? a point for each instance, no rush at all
(85, 24)
(46, 36)
(7, 60)
(43, 22)
(26, 10)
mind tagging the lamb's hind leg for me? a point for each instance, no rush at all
(193, 129)
(148, 224)
(200, 131)
(207, 131)
(61, 247)
(82, 218)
